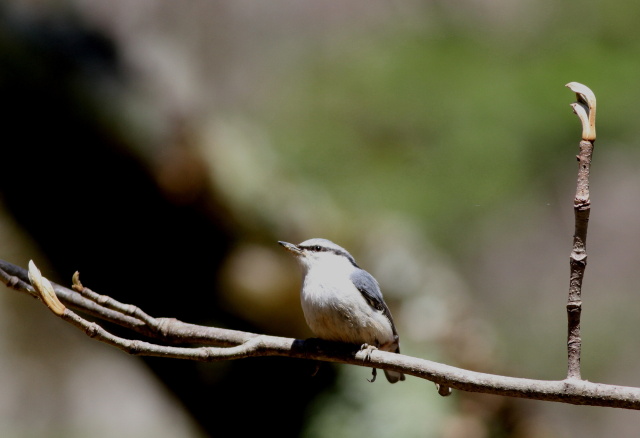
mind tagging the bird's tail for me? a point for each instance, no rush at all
(393, 376)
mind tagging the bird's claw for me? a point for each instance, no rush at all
(368, 349)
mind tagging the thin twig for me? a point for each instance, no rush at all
(168, 330)
(245, 345)
(110, 303)
(585, 109)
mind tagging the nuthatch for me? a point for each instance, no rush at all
(342, 302)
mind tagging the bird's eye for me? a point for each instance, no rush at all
(317, 248)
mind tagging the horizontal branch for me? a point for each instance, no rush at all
(239, 345)
(168, 330)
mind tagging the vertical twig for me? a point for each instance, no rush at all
(585, 109)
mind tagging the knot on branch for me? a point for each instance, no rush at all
(12, 282)
(574, 306)
(574, 343)
(582, 204)
(582, 210)
(208, 354)
(92, 330)
(135, 347)
(578, 260)
(164, 326)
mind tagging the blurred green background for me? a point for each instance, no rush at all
(434, 140)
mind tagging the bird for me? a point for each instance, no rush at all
(342, 302)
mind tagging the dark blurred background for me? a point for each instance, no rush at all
(161, 149)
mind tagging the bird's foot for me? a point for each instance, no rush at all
(368, 349)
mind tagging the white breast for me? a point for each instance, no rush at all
(335, 310)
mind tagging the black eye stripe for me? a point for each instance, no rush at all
(318, 248)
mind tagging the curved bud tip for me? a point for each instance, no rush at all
(44, 289)
(585, 109)
(583, 93)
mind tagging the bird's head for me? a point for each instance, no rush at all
(316, 252)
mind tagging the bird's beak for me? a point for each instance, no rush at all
(295, 249)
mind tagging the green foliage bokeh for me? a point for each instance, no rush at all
(442, 121)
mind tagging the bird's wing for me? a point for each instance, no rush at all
(368, 287)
